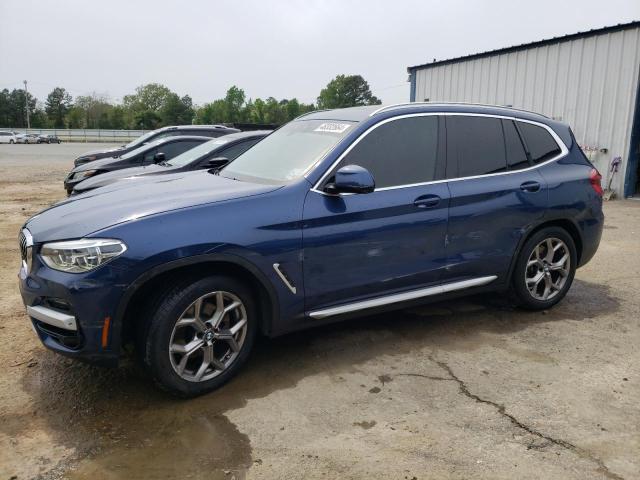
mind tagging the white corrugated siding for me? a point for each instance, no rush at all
(589, 83)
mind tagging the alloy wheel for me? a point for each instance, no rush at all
(208, 336)
(548, 268)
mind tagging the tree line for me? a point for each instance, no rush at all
(154, 105)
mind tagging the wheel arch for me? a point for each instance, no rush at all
(149, 283)
(568, 225)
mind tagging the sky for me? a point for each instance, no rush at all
(284, 49)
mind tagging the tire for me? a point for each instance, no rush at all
(541, 279)
(11, 142)
(171, 330)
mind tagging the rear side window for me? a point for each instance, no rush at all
(399, 152)
(475, 146)
(539, 142)
(516, 155)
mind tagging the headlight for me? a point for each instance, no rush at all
(78, 256)
(84, 174)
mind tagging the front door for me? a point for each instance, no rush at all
(391, 240)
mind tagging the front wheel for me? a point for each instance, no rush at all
(545, 269)
(11, 141)
(199, 335)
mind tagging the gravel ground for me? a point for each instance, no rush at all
(462, 390)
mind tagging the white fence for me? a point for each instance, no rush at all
(84, 135)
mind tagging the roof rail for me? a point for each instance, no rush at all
(408, 104)
(394, 105)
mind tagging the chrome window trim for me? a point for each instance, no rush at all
(402, 297)
(564, 151)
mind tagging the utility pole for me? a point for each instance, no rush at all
(26, 103)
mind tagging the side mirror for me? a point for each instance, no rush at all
(216, 162)
(158, 157)
(351, 179)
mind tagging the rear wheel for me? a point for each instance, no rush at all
(545, 269)
(199, 335)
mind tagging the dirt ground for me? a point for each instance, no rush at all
(461, 390)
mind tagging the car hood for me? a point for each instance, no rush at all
(96, 164)
(111, 177)
(96, 152)
(84, 214)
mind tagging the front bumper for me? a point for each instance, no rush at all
(74, 315)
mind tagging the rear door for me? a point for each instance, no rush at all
(496, 195)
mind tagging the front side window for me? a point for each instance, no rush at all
(174, 149)
(235, 151)
(197, 152)
(289, 152)
(399, 152)
(540, 143)
(475, 146)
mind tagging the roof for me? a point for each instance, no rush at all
(539, 43)
(238, 135)
(353, 114)
(197, 127)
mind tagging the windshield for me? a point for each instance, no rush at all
(289, 152)
(140, 140)
(197, 152)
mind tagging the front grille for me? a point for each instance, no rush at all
(22, 240)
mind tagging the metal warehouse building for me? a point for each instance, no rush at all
(589, 80)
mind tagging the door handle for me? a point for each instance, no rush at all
(530, 186)
(427, 201)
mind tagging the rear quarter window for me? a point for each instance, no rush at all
(516, 155)
(539, 142)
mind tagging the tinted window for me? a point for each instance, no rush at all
(234, 152)
(516, 156)
(148, 156)
(400, 152)
(475, 146)
(539, 141)
(171, 150)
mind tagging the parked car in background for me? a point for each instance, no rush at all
(8, 137)
(155, 152)
(27, 138)
(212, 131)
(336, 214)
(215, 153)
(48, 138)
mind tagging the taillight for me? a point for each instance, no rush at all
(594, 180)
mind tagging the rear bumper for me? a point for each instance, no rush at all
(591, 235)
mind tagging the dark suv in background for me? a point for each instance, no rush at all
(212, 131)
(156, 151)
(336, 214)
(213, 154)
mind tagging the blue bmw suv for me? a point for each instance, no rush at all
(336, 214)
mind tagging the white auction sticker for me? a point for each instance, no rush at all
(332, 127)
